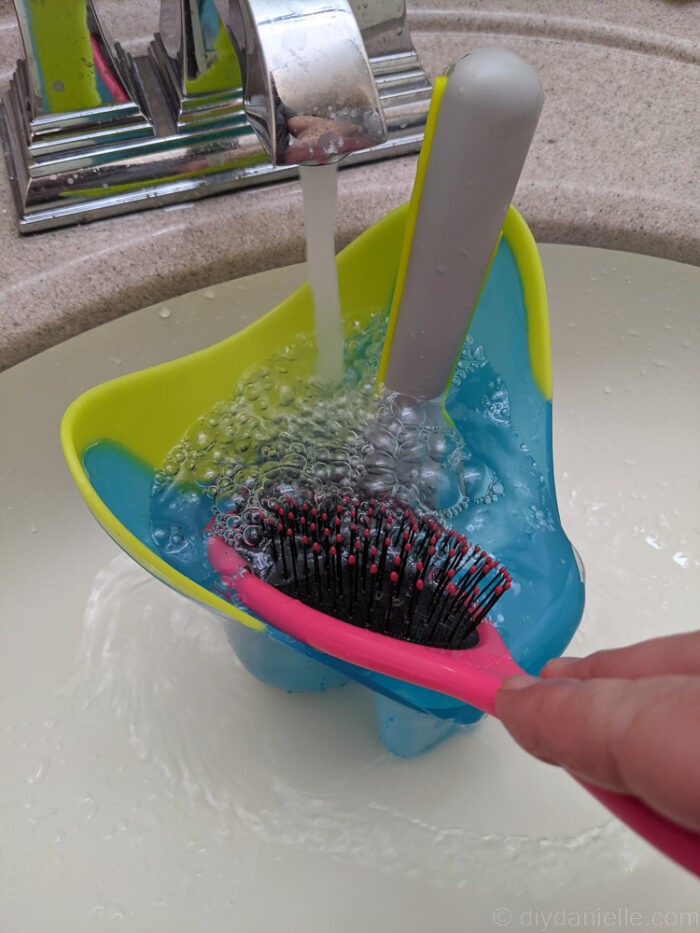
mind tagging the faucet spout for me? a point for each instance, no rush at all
(308, 88)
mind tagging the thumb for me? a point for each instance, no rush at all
(300, 124)
(668, 654)
(640, 737)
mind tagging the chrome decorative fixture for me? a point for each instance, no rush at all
(232, 93)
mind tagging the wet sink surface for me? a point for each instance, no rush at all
(149, 783)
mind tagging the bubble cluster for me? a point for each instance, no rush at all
(410, 451)
(471, 358)
(282, 426)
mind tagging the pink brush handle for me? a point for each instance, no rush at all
(472, 676)
(678, 843)
(478, 686)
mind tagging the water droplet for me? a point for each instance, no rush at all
(164, 313)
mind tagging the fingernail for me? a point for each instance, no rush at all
(560, 665)
(518, 681)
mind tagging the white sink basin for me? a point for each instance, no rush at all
(150, 784)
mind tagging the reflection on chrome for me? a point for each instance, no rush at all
(308, 88)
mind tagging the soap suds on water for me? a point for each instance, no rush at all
(281, 426)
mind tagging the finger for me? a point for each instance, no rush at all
(672, 654)
(638, 737)
(298, 124)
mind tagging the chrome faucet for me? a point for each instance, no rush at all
(308, 88)
(232, 93)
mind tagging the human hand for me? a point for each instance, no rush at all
(626, 719)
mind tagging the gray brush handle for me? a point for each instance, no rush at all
(484, 128)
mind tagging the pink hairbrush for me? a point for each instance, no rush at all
(377, 585)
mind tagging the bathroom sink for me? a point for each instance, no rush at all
(148, 780)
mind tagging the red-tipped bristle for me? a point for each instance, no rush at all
(420, 580)
(415, 595)
(370, 601)
(393, 581)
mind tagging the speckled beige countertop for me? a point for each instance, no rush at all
(615, 163)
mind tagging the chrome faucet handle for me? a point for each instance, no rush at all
(308, 88)
(198, 68)
(72, 87)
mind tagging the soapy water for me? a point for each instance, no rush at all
(280, 427)
(159, 670)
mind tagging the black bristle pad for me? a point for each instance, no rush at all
(373, 562)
